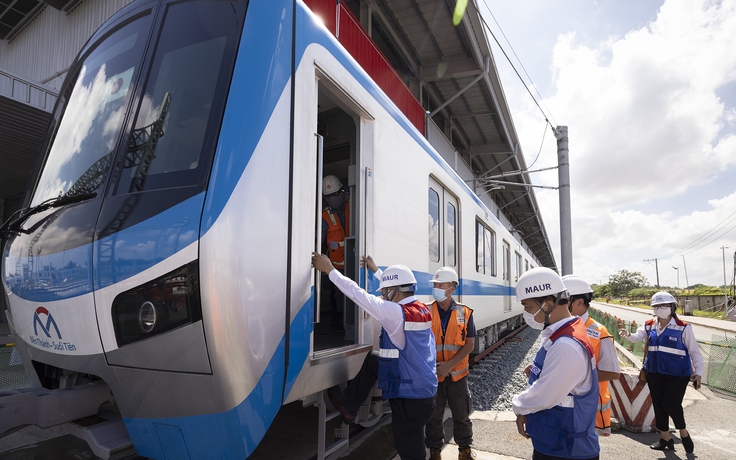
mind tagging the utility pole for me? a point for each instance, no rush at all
(685, 266)
(678, 276)
(656, 267)
(725, 288)
(563, 174)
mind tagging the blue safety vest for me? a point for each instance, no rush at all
(667, 352)
(409, 373)
(568, 429)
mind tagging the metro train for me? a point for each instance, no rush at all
(163, 247)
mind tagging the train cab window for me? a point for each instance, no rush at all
(434, 226)
(485, 243)
(450, 236)
(91, 111)
(172, 140)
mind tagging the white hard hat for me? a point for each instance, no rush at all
(397, 275)
(538, 282)
(662, 297)
(445, 275)
(331, 184)
(575, 285)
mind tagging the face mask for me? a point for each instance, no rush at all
(439, 294)
(335, 201)
(531, 322)
(663, 312)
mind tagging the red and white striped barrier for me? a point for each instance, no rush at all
(632, 405)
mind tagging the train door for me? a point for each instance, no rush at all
(507, 274)
(343, 151)
(443, 228)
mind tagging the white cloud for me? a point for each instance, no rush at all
(647, 132)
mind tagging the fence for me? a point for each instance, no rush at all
(12, 373)
(719, 353)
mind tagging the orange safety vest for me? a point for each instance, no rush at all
(596, 332)
(336, 234)
(454, 338)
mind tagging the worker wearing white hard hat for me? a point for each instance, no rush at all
(454, 332)
(558, 408)
(405, 364)
(335, 228)
(669, 340)
(606, 359)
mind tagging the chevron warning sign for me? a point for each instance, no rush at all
(632, 404)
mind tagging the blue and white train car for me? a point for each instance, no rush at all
(164, 244)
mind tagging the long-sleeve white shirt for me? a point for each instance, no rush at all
(688, 338)
(567, 369)
(389, 314)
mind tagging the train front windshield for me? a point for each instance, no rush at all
(174, 88)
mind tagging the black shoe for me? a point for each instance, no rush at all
(687, 443)
(663, 445)
(338, 400)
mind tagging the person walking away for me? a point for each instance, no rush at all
(335, 228)
(606, 359)
(405, 365)
(454, 333)
(672, 354)
(558, 408)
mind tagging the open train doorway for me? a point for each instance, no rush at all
(338, 129)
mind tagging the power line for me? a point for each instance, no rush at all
(546, 118)
(730, 218)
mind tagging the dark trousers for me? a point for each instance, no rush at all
(408, 415)
(458, 396)
(407, 425)
(667, 392)
(360, 387)
(540, 456)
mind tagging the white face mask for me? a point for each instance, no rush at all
(663, 312)
(439, 294)
(531, 322)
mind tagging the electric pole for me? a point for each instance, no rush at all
(685, 266)
(678, 276)
(563, 174)
(725, 288)
(656, 267)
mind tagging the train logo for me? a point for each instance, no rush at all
(49, 322)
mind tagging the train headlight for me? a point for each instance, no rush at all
(147, 317)
(157, 306)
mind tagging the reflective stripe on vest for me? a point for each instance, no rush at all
(453, 339)
(336, 234)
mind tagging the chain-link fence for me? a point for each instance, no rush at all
(720, 363)
(719, 354)
(12, 373)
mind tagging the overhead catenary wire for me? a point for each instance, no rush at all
(490, 31)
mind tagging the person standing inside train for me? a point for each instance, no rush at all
(454, 333)
(672, 354)
(606, 359)
(405, 366)
(557, 410)
(335, 228)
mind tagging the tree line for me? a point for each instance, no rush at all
(625, 283)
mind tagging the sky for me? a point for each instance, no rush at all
(647, 89)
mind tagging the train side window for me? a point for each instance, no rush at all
(490, 252)
(434, 226)
(526, 265)
(485, 243)
(518, 266)
(450, 238)
(172, 141)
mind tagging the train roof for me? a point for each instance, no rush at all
(432, 56)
